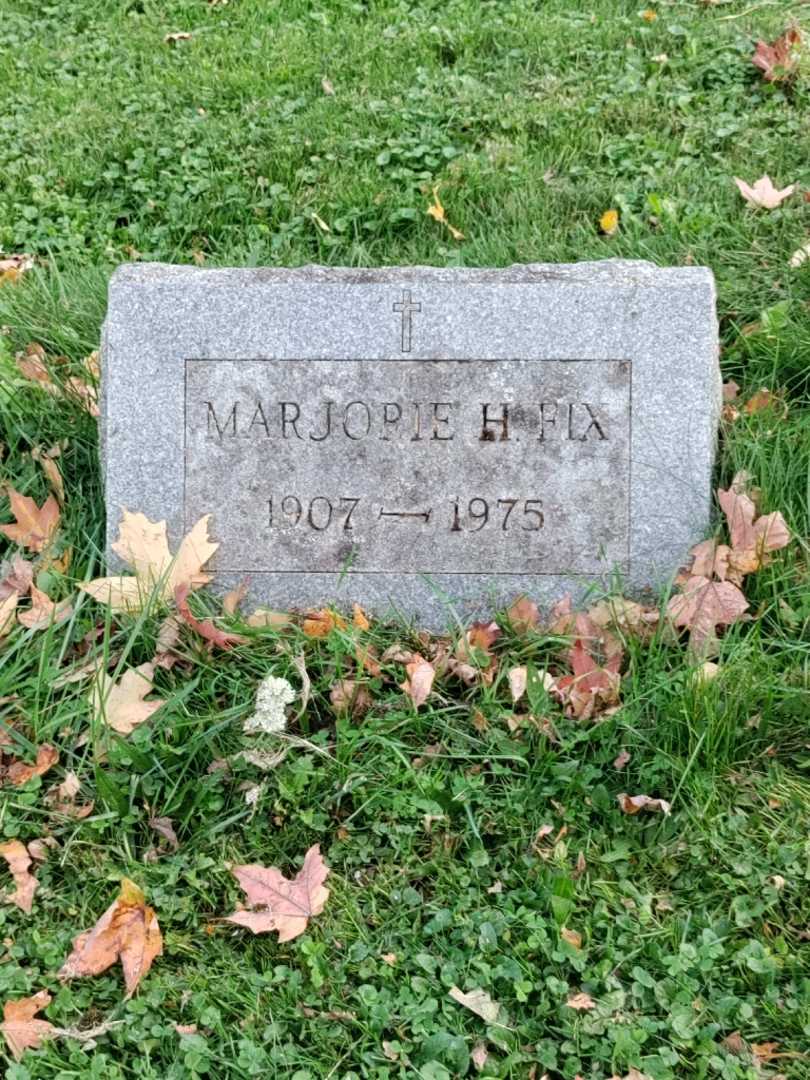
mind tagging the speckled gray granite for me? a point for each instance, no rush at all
(426, 441)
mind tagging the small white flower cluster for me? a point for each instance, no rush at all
(272, 697)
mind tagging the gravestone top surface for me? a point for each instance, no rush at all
(423, 440)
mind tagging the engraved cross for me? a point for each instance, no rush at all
(406, 306)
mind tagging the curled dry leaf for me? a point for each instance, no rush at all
(163, 827)
(633, 804)
(279, 904)
(51, 470)
(518, 678)
(763, 194)
(318, 624)
(8, 614)
(35, 526)
(419, 682)
(127, 931)
(523, 615)
(44, 612)
(16, 576)
(779, 61)
(61, 798)
(121, 705)
(143, 544)
(19, 773)
(581, 1002)
(232, 599)
(350, 698)
(21, 1030)
(264, 617)
(479, 1055)
(436, 211)
(477, 1001)
(212, 635)
(19, 860)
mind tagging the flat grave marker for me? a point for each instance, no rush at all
(417, 440)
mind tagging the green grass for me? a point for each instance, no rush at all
(534, 117)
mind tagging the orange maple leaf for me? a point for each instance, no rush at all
(35, 525)
(280, 904)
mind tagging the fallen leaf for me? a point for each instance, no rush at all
(702, 606)
(731, 391)
(177, 35)
(186, 1029)
(572, 937)
(523, 615)
(35, 525)
(8, 614)
(477, 1001)
(319, 624)
(264, 617)
(710, 559)
(12, 267)
(121, 705)
(215, 637)
(20, 1028)
(279, 904)
(800, 256)
(706, 672)
(326, 86)
(18, 859)
(351, 698)
(419, 681)
(592, 689)
(633, 804)
(61, 798)
(622, 760)
(779, 60)
(16, 576)
(127, 931)
(763, 194)
(19, 773)
(232, 599)
(581, 1001)
(143, 544)
(44, 612)
(163, 827)
(168, 637)
(359, 618)
(436, 211)
(518, 677)
(764, 399)
(751, 540)
(389, 958)
(479, 1055)
(609, 222)
(51, 470)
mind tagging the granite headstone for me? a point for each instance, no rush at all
(426, 441)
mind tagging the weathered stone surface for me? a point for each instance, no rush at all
(422, 440)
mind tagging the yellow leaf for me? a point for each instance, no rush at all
(436, 211)
(648, 15)
(609, 222)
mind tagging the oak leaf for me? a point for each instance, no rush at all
(214, 637)
(35, 526)
(21, 1030)
(144, 545)
(127, 931)
(779, 60)
(19, 860)
(121, 705)
(19, 773)
(763, 194)
(277, 903)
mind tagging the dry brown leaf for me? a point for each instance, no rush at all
(212, 635)
(633, 804)
(18, 859)
(436, 211)
(318, 624)
(167, 638)
(8, 614)
(572, 937)
(477, 1001)
(622, 760)
(19, 773)
(779, 61)
(143, 544)
(591, 690)
(765, 399)
(523, 615)
(751, 540)
(121, 705)
(16, 576)
(44, 612)
(35, 526)
(51, 470)
(127, 931)
(479, 1055)
(350, 698)
(264, 617)
(278, 903)
(163, 827)
(763, 194)
(702, 606)
(177, 35)
(61, 798)
(419, 682)
(232, 599)
(581, 1001)
(359, 618)
(20, 1028)
(710, 559)
(518, 677)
